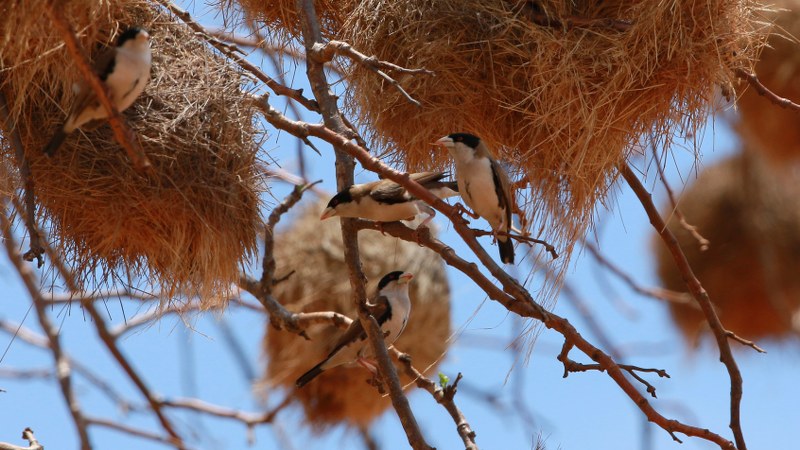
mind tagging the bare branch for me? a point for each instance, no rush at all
(29, 212)
(231, 52)
(326, 52)
(700, 295)
(122, 133)
(704, 243)
(389, 375)
(443, 395)
(60, 360)
(681, 298)
(753, 80)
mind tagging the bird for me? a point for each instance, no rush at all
(390, 306)
(125, 69)
(387, 201)
(483, 185)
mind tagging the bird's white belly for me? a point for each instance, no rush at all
(476, 186)
(389, 213)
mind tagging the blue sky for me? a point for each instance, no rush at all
(583, 411)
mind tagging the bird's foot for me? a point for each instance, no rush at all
(367, 364)
(461, 210)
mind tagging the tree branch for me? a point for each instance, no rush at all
(700, 295)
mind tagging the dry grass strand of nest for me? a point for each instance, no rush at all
(184, 230)
(282, 19)
(564, 106)
(752, 220)
(314, 250)
(764, 126)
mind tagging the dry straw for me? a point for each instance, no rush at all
(764, 126)
(562, 90)
(186, 228)
(752, 220)
(314, 250)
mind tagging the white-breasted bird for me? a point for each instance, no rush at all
(387, 201)
(390, 307)
(125, 69)
(483, 185)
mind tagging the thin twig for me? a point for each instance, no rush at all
(231, 52)
(704, 243)
(110, 342)
(753, 80)
(681, 298)
(326, 52)
(29, 214)
(519, 238)
(122, 133)
(445, 396)
(700, 295)
(60, 360)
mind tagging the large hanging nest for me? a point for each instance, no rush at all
(282, 18)
(763, 125)
(187, 227)
(313, 249)
(562, 90)
(750, 270)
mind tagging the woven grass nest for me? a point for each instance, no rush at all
(183, 230)
(763, 125)
(562, 90)
(750, 270)
(314, 250)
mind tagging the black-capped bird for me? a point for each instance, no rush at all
(483, 185)
(125, 69)
(390, 307)
(387, 201)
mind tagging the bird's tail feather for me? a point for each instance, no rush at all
(310, 375)
(55, 142)
(506, 250)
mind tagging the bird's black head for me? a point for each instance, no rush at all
(470, 140)
(129, 35)
(341, 197)
(388, 278)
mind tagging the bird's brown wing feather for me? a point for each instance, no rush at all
(502, 188)
(390, 192)
(86, 95)
(378, 308)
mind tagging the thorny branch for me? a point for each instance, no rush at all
(700, 295)
(122, 133)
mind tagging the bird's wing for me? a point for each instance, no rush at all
(103, 65)
(378, 308)
(503, 190)
(388, 191)
(353, 333)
